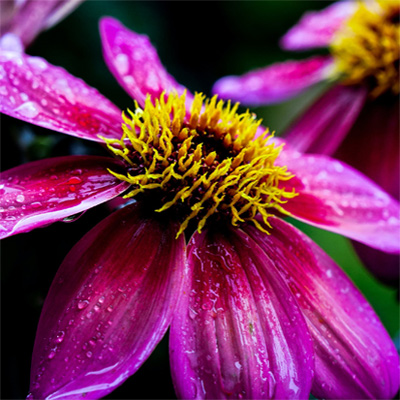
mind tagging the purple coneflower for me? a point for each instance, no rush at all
(256, 309)
(357, 119)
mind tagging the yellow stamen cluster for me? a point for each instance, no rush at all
(367, 48)
(209, 161)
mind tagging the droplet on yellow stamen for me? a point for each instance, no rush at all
(367, 47)
(210, 163)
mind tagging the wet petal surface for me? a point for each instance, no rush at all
(109, 305)
(35, 91)
(238, 332)
(27, 18)
(317, 28)
(355, 357)
(275, 83)
(134, 62)
(41, 192)
(336, 197)
(325, 124)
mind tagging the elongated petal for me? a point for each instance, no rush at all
(238, 332)
(39, 193)
(134, 62)
(325, 124)
(317, 28)
(372, 145)
(335, 197)
(109, 305)
(27, 18)
(275, 83)
(355, 357)
(35, 91)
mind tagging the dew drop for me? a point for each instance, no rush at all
(51, 355)
(60, 336)
(36, 204)
(89, 354)
(30, 109)
(20, 198)
(74, 180)
(109, 308)
(83, 304)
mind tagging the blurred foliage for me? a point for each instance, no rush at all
(198, 42)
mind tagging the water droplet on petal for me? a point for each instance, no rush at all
(30, 109)
(60, 336)
(83, 304)
(20, 198)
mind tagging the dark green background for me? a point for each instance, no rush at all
(198, 43)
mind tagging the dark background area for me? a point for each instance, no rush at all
(198, 42)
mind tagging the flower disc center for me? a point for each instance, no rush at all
(209, 161)
(367, 49)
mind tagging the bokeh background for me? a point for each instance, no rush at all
(198, 43)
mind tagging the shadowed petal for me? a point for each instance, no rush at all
(275, 83)
(238, 332)
(109, 305)
(37, 92)
(41, 192)
(325, 124)
(134, 62)
(27, 18)
(317, 28)
(336, 197)
(372, 145)
(355, 357)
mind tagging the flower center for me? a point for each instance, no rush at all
(209, 162)
(367, 48)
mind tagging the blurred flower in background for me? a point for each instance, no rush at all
(27, 18)
(196, 60)
(356, 120)
(247, 320)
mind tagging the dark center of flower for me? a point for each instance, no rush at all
(208, 162)
(367, 48)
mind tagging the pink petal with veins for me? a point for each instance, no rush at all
(354, 355)
(317, 28)
(41, 192)
(238, 332)
(134, 62)
(109, 305)
(336, 197)
(35, 91)
(275, 83)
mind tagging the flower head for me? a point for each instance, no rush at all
(252, 315)
(356, 120)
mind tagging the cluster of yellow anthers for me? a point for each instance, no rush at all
(208, 161)
(367, 47)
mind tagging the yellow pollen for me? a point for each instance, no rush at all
(367, 48)
(210, 161)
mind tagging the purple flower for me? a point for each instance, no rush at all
(25, 19)
(357, 119)
(255, 308)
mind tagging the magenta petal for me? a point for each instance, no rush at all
(27, 18)
(354, 356)
(238, 332)
(37, 92)
(109, 305)
(336, 197)
(275, 83)
(134, 62)
(325, 124)
(317, 28)
(45, 191)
